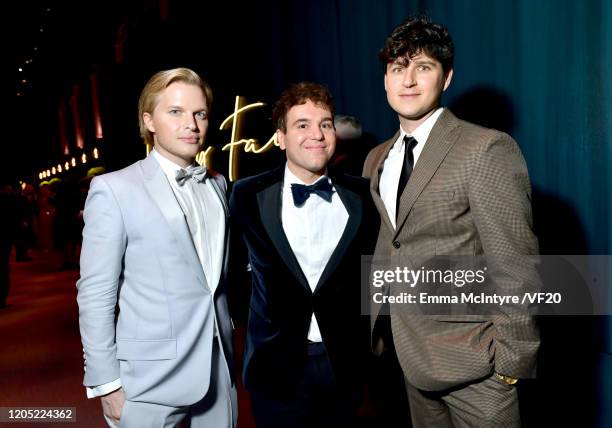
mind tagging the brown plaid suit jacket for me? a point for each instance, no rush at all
(469, 194)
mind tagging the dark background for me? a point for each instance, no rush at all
(537, 69)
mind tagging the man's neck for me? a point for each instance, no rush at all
(307, 177)
(409, 125)
(178, 161)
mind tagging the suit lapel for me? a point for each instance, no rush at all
(269, 201)
(436, 148)
(220, 192)
(353, 205)
(375, 181)
(160, 191)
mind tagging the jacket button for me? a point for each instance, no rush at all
(396, 244)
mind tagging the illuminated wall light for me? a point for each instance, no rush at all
(59, 168)
(95, 153)
(23, 185)
(20, 69)
(40, 176)
(53, 171)
(48, 173)
(84, 158)
(66, 166)
(73, 162)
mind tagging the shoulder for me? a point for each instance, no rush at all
(375, 155)
(117, 179)
(480, 138)
(258, 182)
(351, 182)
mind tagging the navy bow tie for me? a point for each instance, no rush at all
(301, 192)
(198, 173)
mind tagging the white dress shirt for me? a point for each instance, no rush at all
(206, 220)
(313, 231)
(392, 168)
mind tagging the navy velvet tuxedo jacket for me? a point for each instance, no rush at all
(282, 303)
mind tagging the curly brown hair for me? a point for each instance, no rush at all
(415, 35)
(298, 94)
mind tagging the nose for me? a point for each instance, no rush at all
(316, 133)
(409, 74)
(190, 123)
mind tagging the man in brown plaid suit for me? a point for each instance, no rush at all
(447, 187)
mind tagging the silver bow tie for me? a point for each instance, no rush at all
(198, 173)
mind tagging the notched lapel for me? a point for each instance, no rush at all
(439, 143)
(160, 191)
(269, 201)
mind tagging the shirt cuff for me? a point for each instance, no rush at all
(106, 388)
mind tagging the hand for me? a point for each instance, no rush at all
(112, 404)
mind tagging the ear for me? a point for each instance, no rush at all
(447, 79)
(385, 79)
(148, 120)
(280, 137)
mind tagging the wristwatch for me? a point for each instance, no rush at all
(508, 379)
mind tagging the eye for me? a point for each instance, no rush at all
(202, 115)
(327, 125)
(174, 112)
(423, 67)
(302, 126)
(397, 69)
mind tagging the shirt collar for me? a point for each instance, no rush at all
(421, 134)
(169, 167)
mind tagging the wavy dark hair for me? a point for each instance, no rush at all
(415, 35)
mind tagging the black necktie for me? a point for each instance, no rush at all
(409, 144)
(198, 173)
(301, 192)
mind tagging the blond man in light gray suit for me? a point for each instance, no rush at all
(448, 187)
(155, 242)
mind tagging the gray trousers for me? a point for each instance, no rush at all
(486, 403)
(218, 408)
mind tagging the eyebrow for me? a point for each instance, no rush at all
(403, 62)
(424, 61)
(175, 107)
(325, 119)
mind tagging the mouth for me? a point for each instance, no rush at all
(190, 140)
(409, 96)
(316, 148)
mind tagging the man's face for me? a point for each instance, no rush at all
(310, 140)
(179, 122)
(414, 88)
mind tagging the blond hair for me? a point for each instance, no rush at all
(149, 96)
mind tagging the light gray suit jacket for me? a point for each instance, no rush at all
(469, 195)
(137, 251)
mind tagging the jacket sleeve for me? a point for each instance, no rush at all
(104, 243)
(500, 201)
